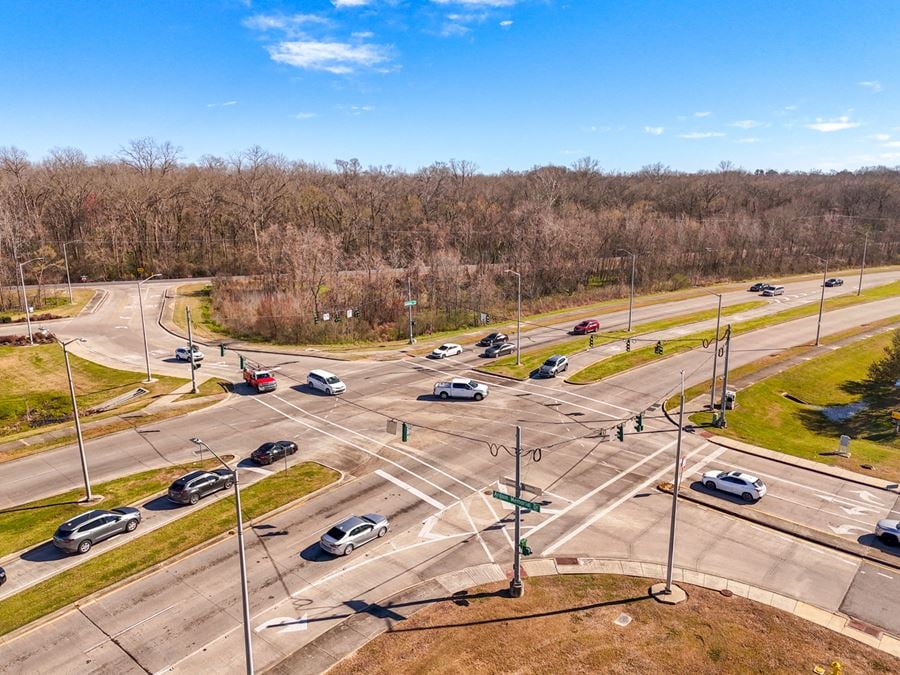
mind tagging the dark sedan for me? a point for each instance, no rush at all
(499, 350)
(82, 532)
(493, 339)
(834, 282)
(273, 451)
(190, 488)
(758, 287)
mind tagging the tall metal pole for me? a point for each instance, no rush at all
(25, 296)
(722, 423)
(712, 389)
(144, 326)
(631, 295)
(518, 316)
(821, 301)
(516, 587)
(863, 265)
(676, 486)
(245, 595)
(68, 279)
(409, 307)
(84, 470)
(187, 311)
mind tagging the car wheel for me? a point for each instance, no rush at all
(195, 498)
(131, 526)
(445, 395)
(84, 546)
(747, 497)
(889, 539)
(229, 484)
(478, 397)
(382, 532)
(348, 549)
(710, 484)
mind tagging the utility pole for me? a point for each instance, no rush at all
(821, 300)
(631, 296)
(409, 306)
(518, 317)
(516, 587)
(863, 265)
(66, 257)
(25, 296)
(721, 422)
(144, 325)
(668, 589)
(84, 470)
(187, 310)
(712, 389)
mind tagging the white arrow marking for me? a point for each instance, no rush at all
(846, 529)
(857, 510)
(425, 532)
(287, 624)
(867, 497)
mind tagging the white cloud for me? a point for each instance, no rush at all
(892, 144)
(890, 155)
(453, 30)
(477, 3)
(874, 85)
(356, 110)
(654, 131)
(350, 3)
(702, 114)
(305, 115)
(880, 137)
(363, 34)
(693, 135)
(333, 57)
(226, 104)
(748, 124)
(506, 24)
(266, 22)
(749, 139)
(829, 125)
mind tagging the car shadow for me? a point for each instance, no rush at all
(315, 553)
(172, 359)
(872, 541)
(312, 391)
(698, 486)
(244, 389)
(162, 504)
(45, 552)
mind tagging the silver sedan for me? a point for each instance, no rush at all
(888, 531)
(352, 532)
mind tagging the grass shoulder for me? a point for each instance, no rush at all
(54, 304)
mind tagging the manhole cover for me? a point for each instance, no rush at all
(567, 561)
(622, 620)
(726, 592)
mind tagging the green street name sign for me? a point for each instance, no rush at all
(503, 497)
(409, 303)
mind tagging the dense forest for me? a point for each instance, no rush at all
(289, 241)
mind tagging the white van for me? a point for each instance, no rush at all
(773, 290)
(326, 382)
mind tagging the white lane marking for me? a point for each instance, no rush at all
(819, 492)
(605, 485)
(496, 517)
(288, 624)
(847, 529)
(358, 447)
(867, 497)
(882, 574)
(406, 454)
(125, 630)
(628, 495)
(477, 532)
(409, 488)
(427, 525)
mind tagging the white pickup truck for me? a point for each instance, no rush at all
(461, 387)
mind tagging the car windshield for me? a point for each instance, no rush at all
(552, 361)
(757, 483)
(335, 533)
(262, 374)
(332, 380)
(442, 348)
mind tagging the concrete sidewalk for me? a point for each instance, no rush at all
(370, 622)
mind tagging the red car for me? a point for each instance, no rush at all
(587, 326)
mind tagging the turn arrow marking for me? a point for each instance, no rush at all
(867, 497)
(287, 624)
(846, 529)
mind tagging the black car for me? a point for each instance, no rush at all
(493, 339)
(499, 350)
(758, 287)
(270, 452)
(834, 282)
(189, 488)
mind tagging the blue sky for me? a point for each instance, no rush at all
(506, 84)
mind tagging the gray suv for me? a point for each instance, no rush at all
(554, 365)
(82, 532)
(189, 488)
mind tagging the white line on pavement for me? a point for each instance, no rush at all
(409, 488)
(125, 630)
(477, 532)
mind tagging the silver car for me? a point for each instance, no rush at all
(82, 532)
(352, 532)
(888, 531)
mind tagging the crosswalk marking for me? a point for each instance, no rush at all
(409, 488)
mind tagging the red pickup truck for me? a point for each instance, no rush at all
(261, 380)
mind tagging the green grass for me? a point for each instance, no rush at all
(160, 545)
(211, 387)
(765, 417)
(532, 359)
(622, 362)
(33, 522)
(34, 390)
(55, 302)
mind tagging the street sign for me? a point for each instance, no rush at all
(409, 303)
(503, 497)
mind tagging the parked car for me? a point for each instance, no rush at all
(888, 531)
(493, 339)
(189, 488)
(184, 353)
(834, 282)
(461, 387)
(2, 576)
(749, 488)
(554, 365)
(326, 382)
(82, 532)
(500, 350)
(586, 326)
(449, 349)
(272, 451)
(758, 287)
(353, 532)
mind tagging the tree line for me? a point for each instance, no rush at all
(288, 241)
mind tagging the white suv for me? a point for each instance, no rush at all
(326, 382)
(749, 488)
(184, 353)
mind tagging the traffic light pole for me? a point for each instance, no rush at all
(516, 587)
(721, 421)
(193, 364)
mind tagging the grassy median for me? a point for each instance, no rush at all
(155, 547)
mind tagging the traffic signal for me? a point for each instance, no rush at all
(196, 365)
(241, 357)
(639, 422)
(404, 432)
(222, 349)
(356, 312)
(523, 547)
(658, 348)
(592, 342)
(628, 344)
(620, 432)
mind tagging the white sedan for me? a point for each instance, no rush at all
(449, 349)
(184, 353)
(750, 488)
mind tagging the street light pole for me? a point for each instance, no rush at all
(631, 297)
(245, 596)
(863, 265)
(516, 587)
(187, 311)
(84, 470)
(66, 258)
(144, 326)
(409, 306)
(824, 261)
(518, 316)
(668, 589)
(25, 297)
(712, 392)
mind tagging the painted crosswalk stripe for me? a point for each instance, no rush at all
(409, 488)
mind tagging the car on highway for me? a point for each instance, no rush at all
(888, 530)
(192, 486)
(747, 487)
(326, 382)
(184, 353)
(2, 576)
(272, 451)
(586, 326)
(758, 287)
(460, 387)
(771, 291)
(353, 532)
(499, 350)
(81, 532)
(492, 339)
(834, 282)
(449, 349)
(553, 366)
